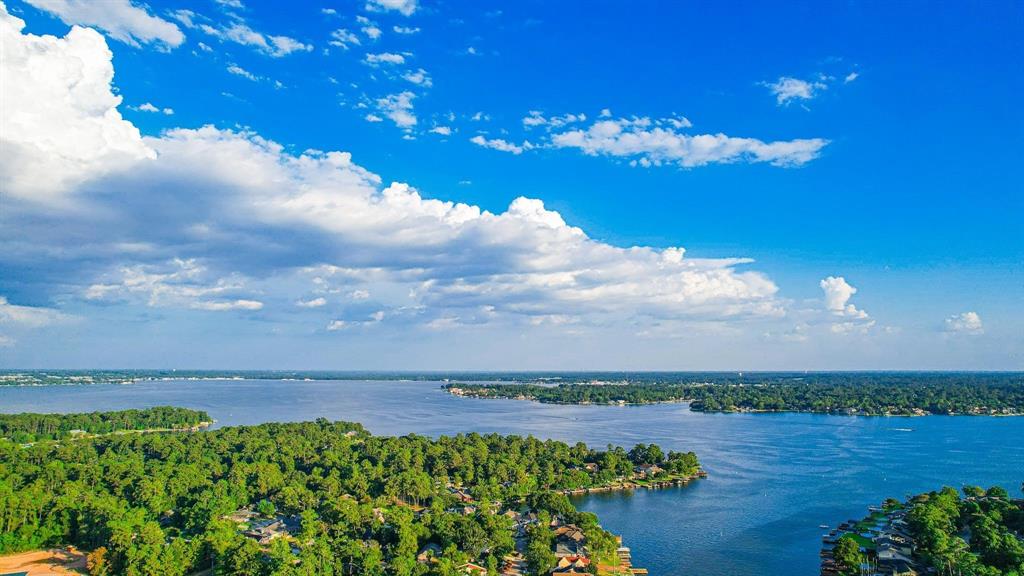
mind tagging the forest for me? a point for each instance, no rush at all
(877, 394)
(979, 534)
(30, 427)
(342, 500)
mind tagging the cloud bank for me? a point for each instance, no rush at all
(225, 221)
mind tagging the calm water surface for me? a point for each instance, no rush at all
(774, 478)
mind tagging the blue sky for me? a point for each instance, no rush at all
(641, 186)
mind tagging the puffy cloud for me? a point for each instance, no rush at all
(224, 220)
(60, 121)
(120, 19)
(239, 71)
(502, 145)
(406, 30)
(787, 89)
(850, 77)
(17, 317)
(149, 107)
(650, 144)
(372, 32)
(403, 7)
(384, 58)
(28, 316)
(965, 323)
(536, 118)
(342, 38)
(240, 33)
(312, 302)
(179, 283)
(837, 295)
(419, 78)
(398, 108)
(442, 130)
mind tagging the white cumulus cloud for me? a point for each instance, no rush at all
(384, 58)
(226, 220)
(240, 33)
(501, 145)
(398, 108)
(61, 126)
(312, 302)
(419, 77)
(28, 316)
(787, 89)
(342, 38)
(121, 19)
(837, 296)
(403, 7)
(647, 144)
(965, 323)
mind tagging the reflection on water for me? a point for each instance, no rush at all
(774, 478)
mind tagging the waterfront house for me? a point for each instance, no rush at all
(648, 470)
(568, 565)
(570, 541)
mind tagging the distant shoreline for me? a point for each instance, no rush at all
(722, 397)
(737, 411)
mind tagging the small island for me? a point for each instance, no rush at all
(313, 498)
(980, 534)
(860, 395)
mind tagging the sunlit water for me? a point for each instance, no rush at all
(774, 478)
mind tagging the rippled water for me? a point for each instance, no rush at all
(774, 478)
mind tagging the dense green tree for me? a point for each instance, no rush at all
(847, 555)
(158, 503)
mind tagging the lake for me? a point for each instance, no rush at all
(773, 478)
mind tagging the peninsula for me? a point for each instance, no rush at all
(854, 394)
(981, 533)
(314, 498)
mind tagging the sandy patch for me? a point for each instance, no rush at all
(44, 562)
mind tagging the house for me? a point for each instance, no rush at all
(648, 470)
(591, 467)
(570, 541)
(241, 516)
(266, 530)
(473, 569)
(895, 568)
(571, 565)
(460, 494)
(429, 553)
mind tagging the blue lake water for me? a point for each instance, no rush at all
(774, 478)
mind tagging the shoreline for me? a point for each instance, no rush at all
(631, 485)
(737, 411)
